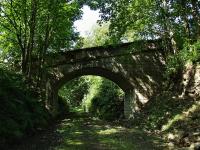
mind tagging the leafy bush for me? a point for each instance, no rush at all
(176, 63)
(20, 112)
(73, 92)
(108, 104)
(63, 106)
(161, 110)
(96, 95)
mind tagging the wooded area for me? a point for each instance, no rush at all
(30, 30)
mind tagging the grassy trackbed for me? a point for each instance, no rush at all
(82, 132)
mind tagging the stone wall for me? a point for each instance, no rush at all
(135, 68)
(190, 84)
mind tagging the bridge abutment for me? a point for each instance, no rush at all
(130, 105)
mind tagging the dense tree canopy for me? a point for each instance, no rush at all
(172, 20)
(32, 28)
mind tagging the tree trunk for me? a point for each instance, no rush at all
(31, 38)
(184, 15)
(43, 49)
(24, 63)
(168, 32)
(196, 17)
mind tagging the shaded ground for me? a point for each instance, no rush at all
(81, 132)
(175, 118)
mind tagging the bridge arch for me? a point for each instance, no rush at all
(117, 78)
(135, 67)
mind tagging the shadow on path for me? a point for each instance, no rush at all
(82, 132)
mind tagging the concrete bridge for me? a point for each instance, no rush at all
(135, 67)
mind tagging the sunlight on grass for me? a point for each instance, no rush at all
(108, 131)
(78, 133)
(77, 109)
(60, 131)
(85, 133)
(93, 91)
(67, 124)
(109, 141)
(114, 140)
(181, 116)
(74, 142)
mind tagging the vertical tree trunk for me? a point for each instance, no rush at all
(166, 24)
(196, 17)
(23, 62)
(31, 38)
(44, 44)
(184, 15)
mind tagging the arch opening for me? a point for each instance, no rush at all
(115, 77)
(95, 95)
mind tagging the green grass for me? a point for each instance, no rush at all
(84, 132)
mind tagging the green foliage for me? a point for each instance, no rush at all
(194, 50)
(78, 128)
(73, 92)
(100, 36)
(175, 118)
(161, 110)
(20, 112)
(63, 106)
(96, 95)
(95, 37)
(108, 104)
(135, 16)
(172, 21)
(30, 29)
(176, 63)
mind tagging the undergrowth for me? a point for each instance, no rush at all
(21, 113)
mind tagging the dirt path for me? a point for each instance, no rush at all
(81, 132)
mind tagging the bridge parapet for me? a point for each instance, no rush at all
(103, 52)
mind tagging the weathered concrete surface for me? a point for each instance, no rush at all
(136, 67)
(189, 84)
